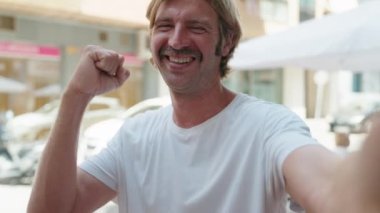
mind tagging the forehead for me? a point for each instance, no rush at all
(186, 9)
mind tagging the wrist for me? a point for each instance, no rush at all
(77, 97)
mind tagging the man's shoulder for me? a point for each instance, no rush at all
(255, 104)
(256, 110)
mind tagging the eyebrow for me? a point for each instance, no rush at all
(162, 20)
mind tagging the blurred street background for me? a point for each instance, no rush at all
(320, 58)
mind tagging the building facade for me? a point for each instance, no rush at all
(40, 44)
(310, 93)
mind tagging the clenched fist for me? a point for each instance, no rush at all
(99, 70)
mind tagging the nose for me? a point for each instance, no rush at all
(179, 38)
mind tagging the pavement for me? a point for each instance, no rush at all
(14, 198)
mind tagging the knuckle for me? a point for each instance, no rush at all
(113, 55)
(89, 48)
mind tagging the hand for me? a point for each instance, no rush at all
(369, 165)
(99, 71)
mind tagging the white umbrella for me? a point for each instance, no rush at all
(8, 85)
(345, 41)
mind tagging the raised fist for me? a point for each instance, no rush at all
(99, 70)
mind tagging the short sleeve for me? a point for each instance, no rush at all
(284, 133)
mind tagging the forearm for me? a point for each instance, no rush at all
(356, 183)
(55, 188)
(55, 184)
(369, 166)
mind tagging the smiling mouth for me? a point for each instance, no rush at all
(180, 60)
(181, 56)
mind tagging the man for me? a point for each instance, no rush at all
(212, 151)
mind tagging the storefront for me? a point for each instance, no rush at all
(36, 67)
(40, 49)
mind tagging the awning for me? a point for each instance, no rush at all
(345, 41)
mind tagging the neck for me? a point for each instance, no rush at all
(193, 109)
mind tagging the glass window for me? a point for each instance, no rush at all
(274, 10)
(307, 10)
(367, 82)
(357, 82)
(371, 82)
(267, 84)
(264, 84)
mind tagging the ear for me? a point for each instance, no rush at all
(227, 45)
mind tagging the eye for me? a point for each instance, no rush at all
(163, 27)
(198, 29)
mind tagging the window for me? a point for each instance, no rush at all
(371, 82)
(265, 84)
(274, 10)
(307, 10)
(7, 22)
(357, 82)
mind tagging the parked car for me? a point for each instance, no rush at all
(355, 114)
(35, 126)
(97, 135)
(19, 162)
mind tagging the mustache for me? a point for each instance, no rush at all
(184, 51)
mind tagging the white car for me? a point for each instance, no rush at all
(35, 126)
(96, 136)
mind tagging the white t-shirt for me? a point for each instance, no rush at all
(231, 163)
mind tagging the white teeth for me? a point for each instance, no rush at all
(180, 60)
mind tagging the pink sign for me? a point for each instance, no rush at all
(132, 60)
(28, 50)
